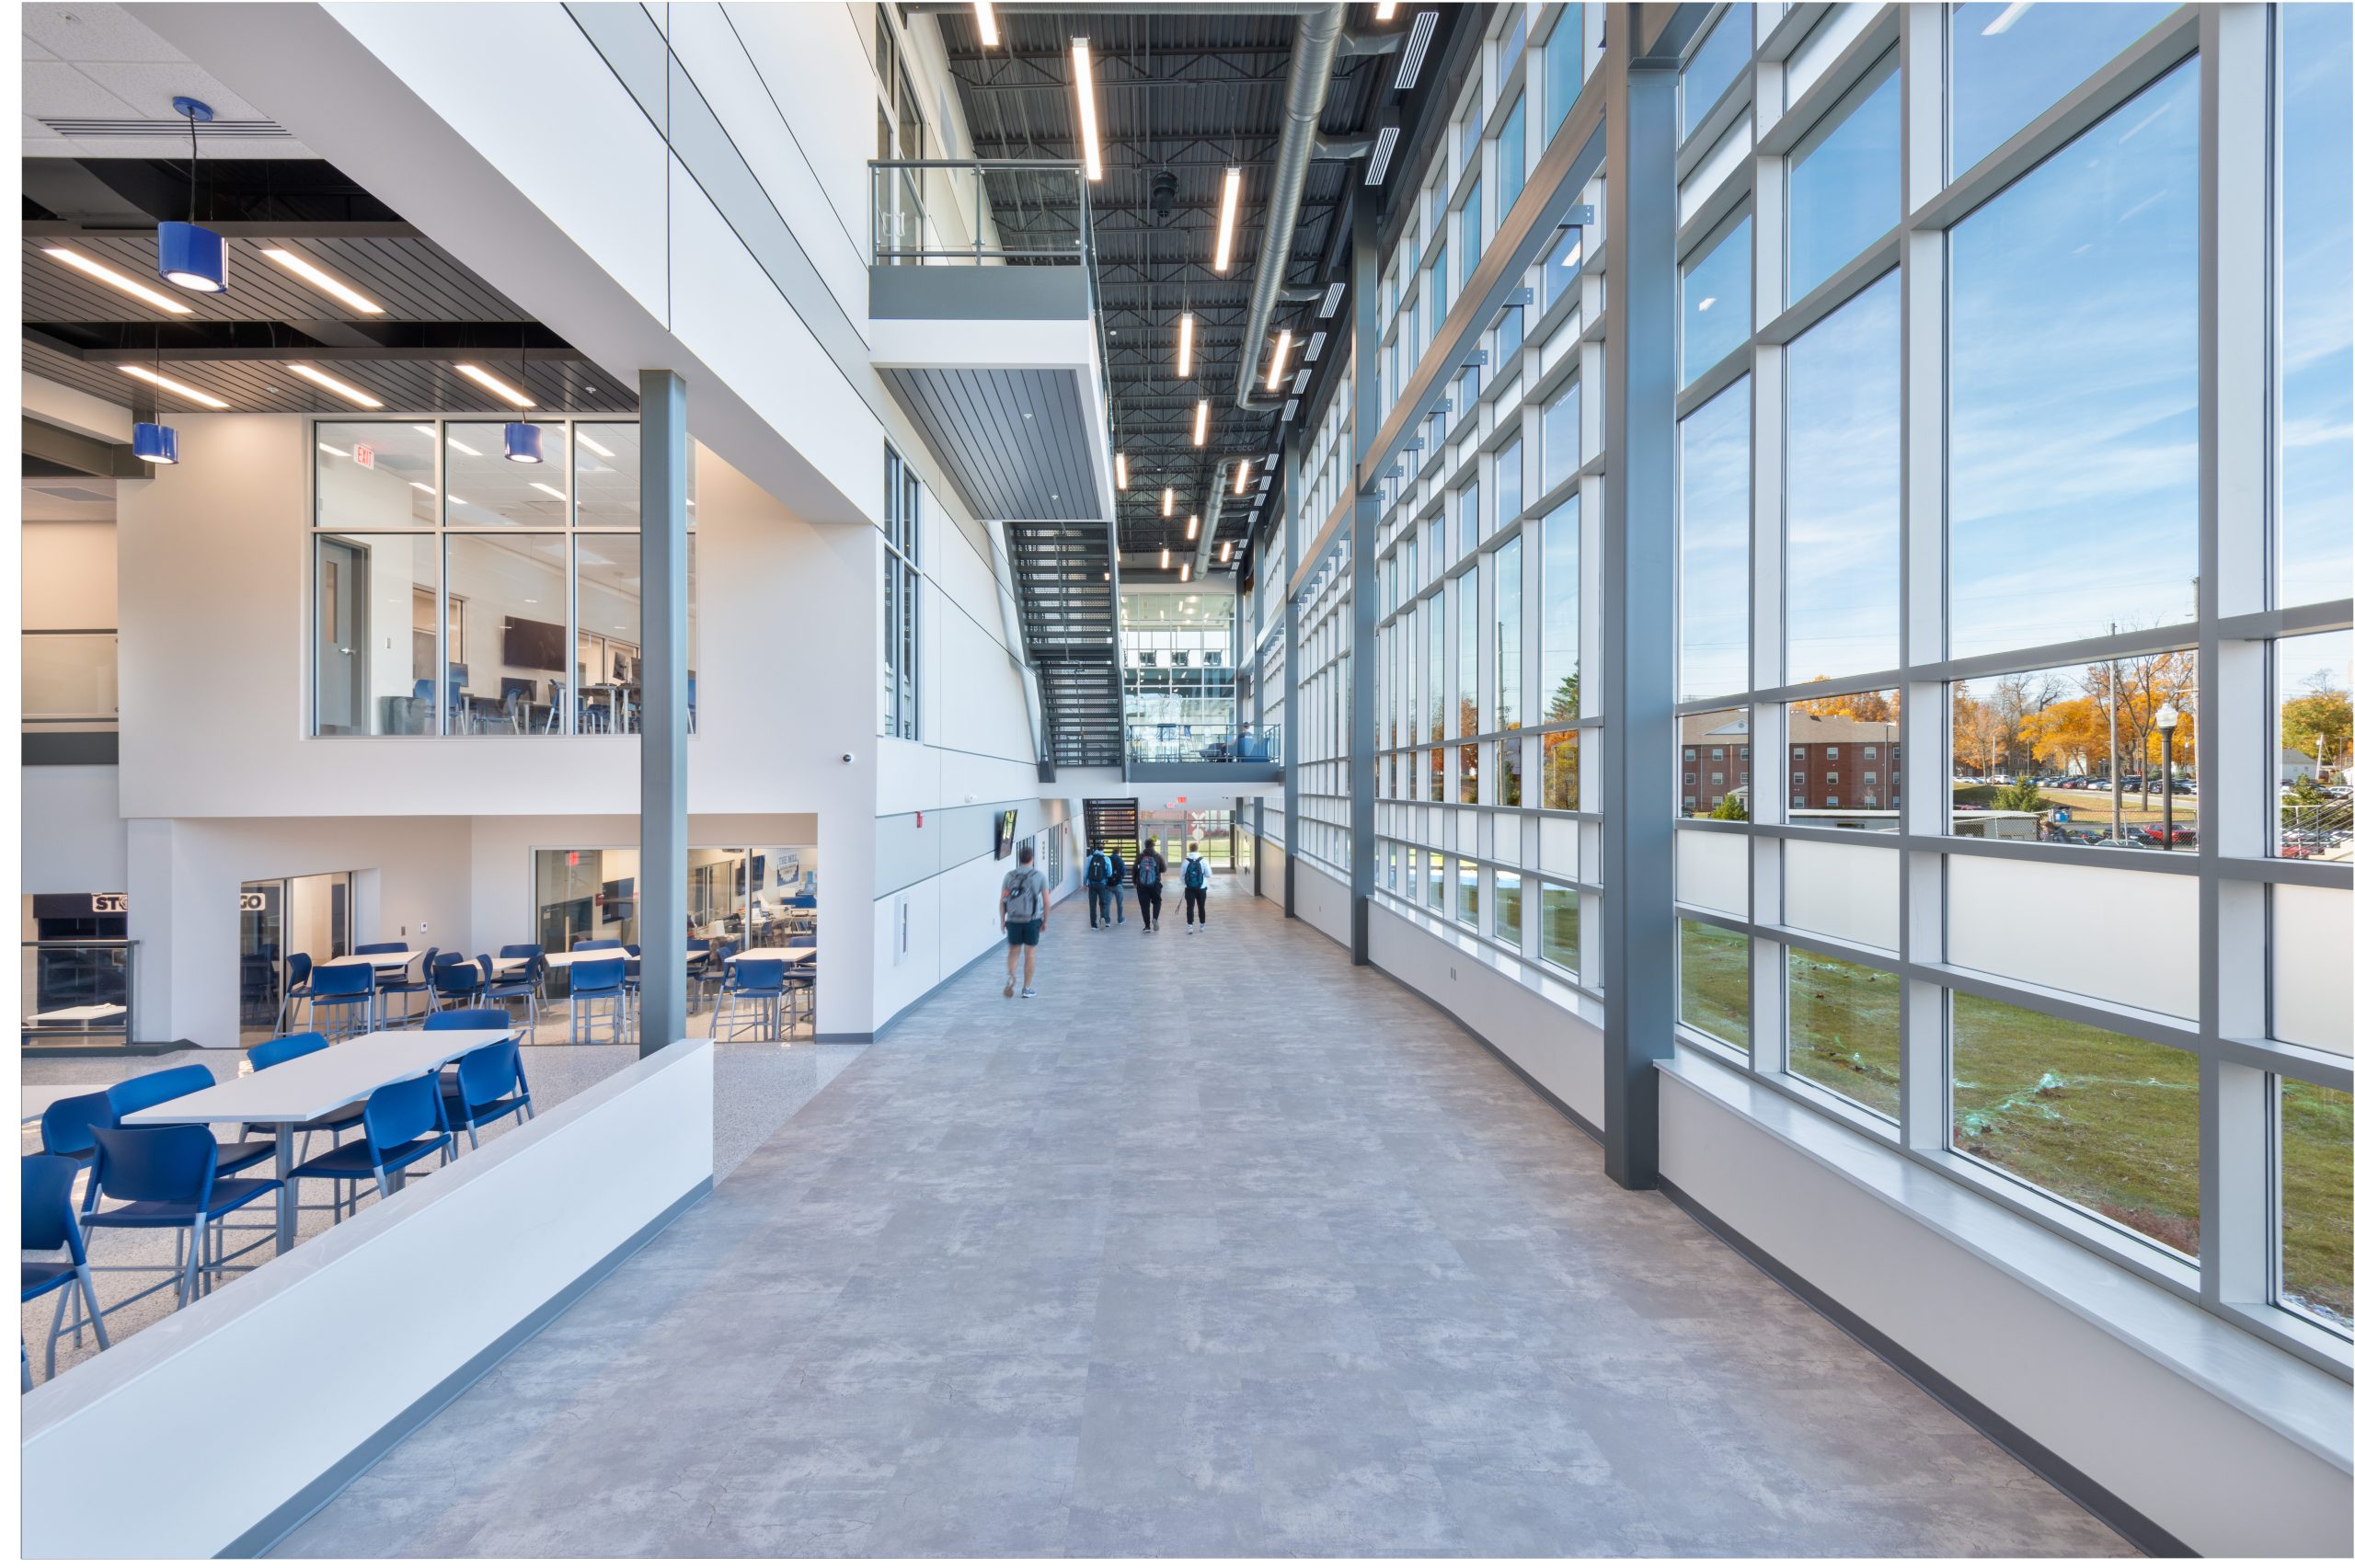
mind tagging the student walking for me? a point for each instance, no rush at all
(1151, 869)
(1196, 875)
(1119, 879)
(1022, 913)
(1099, 892)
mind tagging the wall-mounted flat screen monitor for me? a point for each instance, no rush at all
(620, 900)
(1004, 843)
(534, 645)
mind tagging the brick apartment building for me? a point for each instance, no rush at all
(1835, 763)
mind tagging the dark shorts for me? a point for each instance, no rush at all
(1023, 934)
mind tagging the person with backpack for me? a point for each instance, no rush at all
(1022, 913)
(1151, 869)
(1196, 875)
(1099, 890)
(1120, 880)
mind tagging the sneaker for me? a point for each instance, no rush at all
(1009, 986)
(1028, 993)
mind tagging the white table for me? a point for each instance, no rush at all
(293, 1093)
(790, 954)
(590, 954)
(89, 1012)
(394, 960)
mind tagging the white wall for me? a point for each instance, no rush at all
(69, 576)
(73, 835)
(2201, 1467)
(356, 1329)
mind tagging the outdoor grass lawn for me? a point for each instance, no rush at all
(2103, 1120)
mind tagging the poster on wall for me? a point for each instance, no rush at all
(1001, 841)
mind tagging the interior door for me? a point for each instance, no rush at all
(342, 630)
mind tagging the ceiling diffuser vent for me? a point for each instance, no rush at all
(102, 130)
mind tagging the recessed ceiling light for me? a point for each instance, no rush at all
(342, 389)
(483, 378)
(324, 282)
(333, 451)
(106, 274)
(177, 388)
(547, 489)
(591, 443)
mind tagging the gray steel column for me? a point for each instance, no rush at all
(663, 743)
(1640, 599)
(1365, 519)
(1294, 522)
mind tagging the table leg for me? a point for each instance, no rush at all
(285, 1187)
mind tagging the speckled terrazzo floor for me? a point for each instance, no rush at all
(1217, 1248)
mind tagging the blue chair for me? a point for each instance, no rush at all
(66, 1126)
(298, 985)
(382, 948)
(489, 1084)
(522, 985)
(346, 993)
(599, 982)
(402, 1125)
(46, 1194)
(267, 1054)
(456, 983)
(152, 1089)
(169, 1178)
(760, 982)
(402, 987)
(714, 971)
(800, 986)
(634, 979)
(527, 950)
(601, 945)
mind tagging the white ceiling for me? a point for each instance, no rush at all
(94, 62)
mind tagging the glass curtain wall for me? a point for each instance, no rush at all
(1990, 604)
(2007, 393)
(1178, 648)
(1487, 814)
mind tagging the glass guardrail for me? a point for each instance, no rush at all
(69, 678)
(77, 992)
(1198, 743)
(977, 212)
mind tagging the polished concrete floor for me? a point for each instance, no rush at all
(1216, 1248)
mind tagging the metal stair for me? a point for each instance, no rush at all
(1113, 824)
(1071, 630)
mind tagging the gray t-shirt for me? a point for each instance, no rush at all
(1025, 894)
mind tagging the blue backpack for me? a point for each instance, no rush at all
(1198, 874)
(1100, 870)
(1148, 870)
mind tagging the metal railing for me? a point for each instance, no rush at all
(1255, 743)
(977, 213)
(78, 992)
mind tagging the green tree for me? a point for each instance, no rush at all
(2021, 796)
(2321, 721)
(1566, 699)
(1732, 808)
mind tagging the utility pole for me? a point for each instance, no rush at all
(2117, 771)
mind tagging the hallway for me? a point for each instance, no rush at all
(1217, 1247)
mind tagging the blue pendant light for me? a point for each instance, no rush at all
(523, 441)
(189, 255)
(159, 444)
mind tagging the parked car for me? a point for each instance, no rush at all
(2184, 834)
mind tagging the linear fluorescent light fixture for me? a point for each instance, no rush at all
(107, 275)
(1386, 11)
(177, 388)
(1418, 43)
(1083, 81)
(1165, 558)
(342, 389)
(1316, 347)
(1201, 420)
(1242, 476)
(483, 378)
(326, 283)
(547, 489)
(1121, 470)
(1186, 572)
(1225, 551)
(1332, 302)
(1193, 528)
(591, 443)
(1229, 200)
(456, 444)
(986, 19)
(1276, 365)
(1185, 345)
(1377, 167)
(1168, 501)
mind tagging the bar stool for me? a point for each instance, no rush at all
(598, 983)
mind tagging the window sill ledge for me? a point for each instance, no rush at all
(2304, 1404)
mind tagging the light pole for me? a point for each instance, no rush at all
(2166, 720)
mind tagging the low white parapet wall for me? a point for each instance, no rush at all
(338, 1350)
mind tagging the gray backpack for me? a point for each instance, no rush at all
(1026, 895)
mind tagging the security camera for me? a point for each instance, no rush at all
(849, 757)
